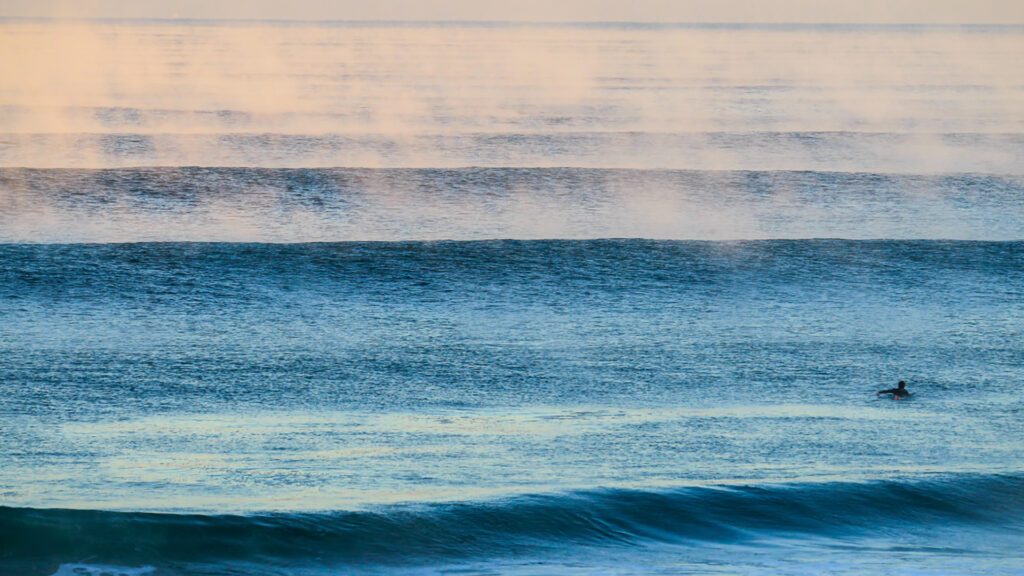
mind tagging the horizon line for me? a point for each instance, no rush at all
(552, 23)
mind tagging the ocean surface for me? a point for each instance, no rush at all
(370, 298)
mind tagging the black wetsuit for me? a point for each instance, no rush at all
(896, 392)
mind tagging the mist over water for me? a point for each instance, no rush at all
(296, 298)
(180, 78)
(324, 205)
(685, 132)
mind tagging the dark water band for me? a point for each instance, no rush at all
(527, 524)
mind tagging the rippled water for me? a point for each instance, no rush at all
(319, 299)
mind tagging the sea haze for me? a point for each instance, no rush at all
(295, 298)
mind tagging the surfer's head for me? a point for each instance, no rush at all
(902, 384)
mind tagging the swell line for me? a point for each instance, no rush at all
(488, 529)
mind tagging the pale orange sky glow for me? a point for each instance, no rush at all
(863, 11)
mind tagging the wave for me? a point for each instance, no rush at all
(609, 518)
(529, 269)
(527, 272)
(554, 142)
(329, 205)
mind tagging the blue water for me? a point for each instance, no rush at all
(400, 299)
(428, 403)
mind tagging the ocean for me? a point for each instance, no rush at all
(288, 298)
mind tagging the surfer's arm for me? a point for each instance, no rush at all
(889, 391)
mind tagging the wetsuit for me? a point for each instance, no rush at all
(896, 392)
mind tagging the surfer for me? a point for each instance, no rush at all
(898, 393)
